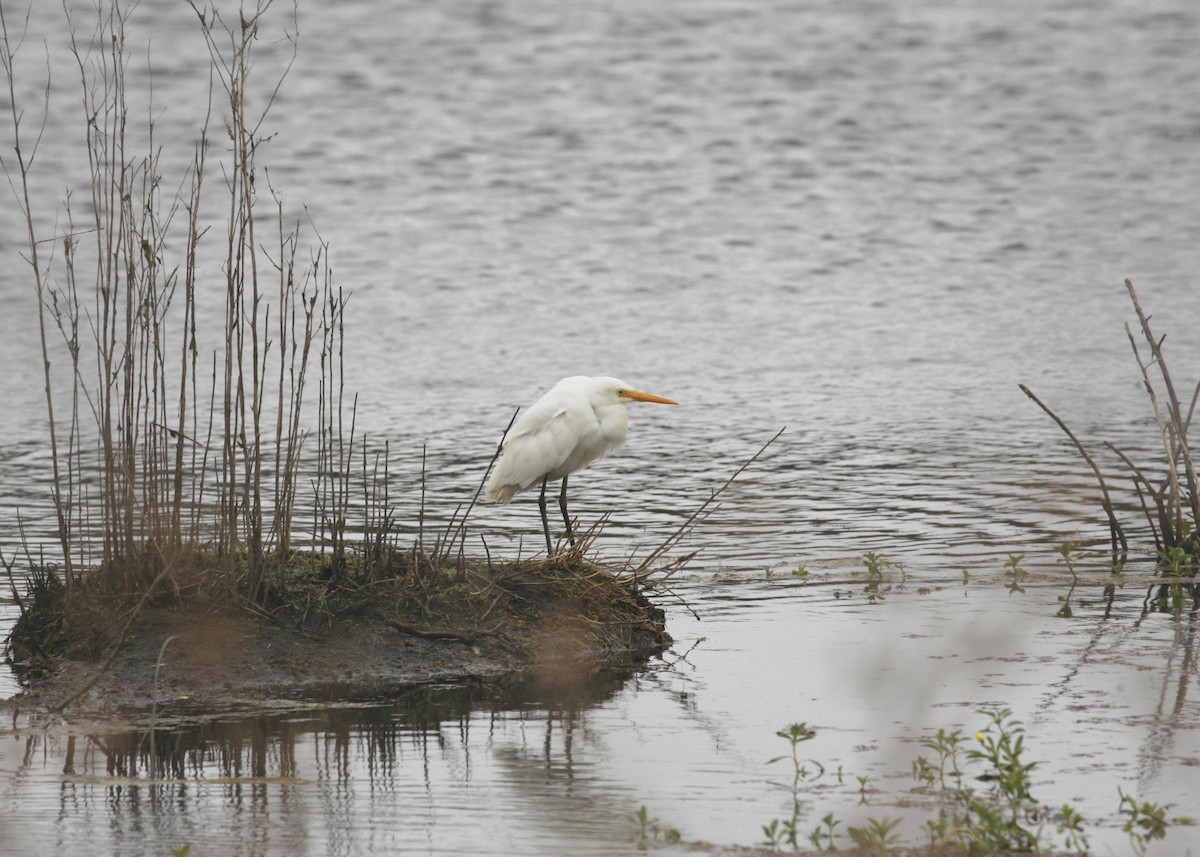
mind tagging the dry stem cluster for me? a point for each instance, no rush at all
(1170, 501)
(178, 421)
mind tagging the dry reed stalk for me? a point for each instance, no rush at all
(460, 534)
(378, 516)
(24, 166)
(1116, 534)
(639, 575)
(1172, 431)
(1172, 497)
(335, 446)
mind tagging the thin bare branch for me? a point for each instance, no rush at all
(1178, 449)
(693, 520)
(1117, 534)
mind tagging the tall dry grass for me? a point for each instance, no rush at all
(178, 431)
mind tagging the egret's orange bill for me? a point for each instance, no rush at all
(639, 396)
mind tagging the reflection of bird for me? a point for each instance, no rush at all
(579, 420)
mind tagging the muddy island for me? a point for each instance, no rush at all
(320, 632)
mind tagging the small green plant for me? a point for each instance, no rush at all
(923, 771)
(824, 832)
(863, 784)
(1176, 562)
(878, 836)
(945, 744)
(800, 571)
(1069, 554)
(1145, 822)
(1008, 817)
(787, 829)
(1014, 571)
(642, 817)
(651, 829)
(875, 565)
(795, 735)
(941, 830)
(1070, 825)
(774, 833)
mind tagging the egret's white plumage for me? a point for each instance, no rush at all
(579, 420)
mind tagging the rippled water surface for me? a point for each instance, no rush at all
(867, 222)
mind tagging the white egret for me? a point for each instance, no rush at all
(579, 420)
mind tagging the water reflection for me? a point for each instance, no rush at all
(185, 745)
(292, 775)
(1174, 598)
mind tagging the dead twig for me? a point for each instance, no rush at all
(460, 534)
(1139, 480)
(1116, 533)
(442, 634)
(696, 518)
(1172, 431)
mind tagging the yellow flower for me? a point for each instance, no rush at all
(979, 737)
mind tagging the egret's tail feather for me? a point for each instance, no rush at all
(500, 493)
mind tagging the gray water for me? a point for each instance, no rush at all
(866, 222)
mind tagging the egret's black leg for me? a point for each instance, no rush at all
(562, 504)
(545, 523)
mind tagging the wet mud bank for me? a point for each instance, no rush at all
(548, 626)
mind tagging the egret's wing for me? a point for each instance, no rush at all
(538, 444)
